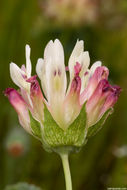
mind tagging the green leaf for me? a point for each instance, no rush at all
(74, 135)
(35, 126)
(95, 128)
(22, 186)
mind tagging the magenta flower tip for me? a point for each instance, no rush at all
(117, 90)
(77, 69)
(31, 79)
(76, 84)
(8, 91)
(34, 88)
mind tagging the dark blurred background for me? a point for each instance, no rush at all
(102, 24)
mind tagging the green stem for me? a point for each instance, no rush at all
(67, 173)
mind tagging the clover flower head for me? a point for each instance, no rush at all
(65, 113)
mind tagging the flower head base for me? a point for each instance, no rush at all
(67, 116)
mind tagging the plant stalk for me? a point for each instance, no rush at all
(67, 173)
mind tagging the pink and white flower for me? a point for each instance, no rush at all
(20, 75)
(63, 101)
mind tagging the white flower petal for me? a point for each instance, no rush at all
(28, 62)
(85, 61)
(85, 80)
(59, 54)
(17, 76)
(55, 75)
(89, 73)
(94, 66)
(48, 52)
(77, 51)
(39, 67)
(48, 78)
(40, 70)
(54, 51)
(79, 47)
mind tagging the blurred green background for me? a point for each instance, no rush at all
(102, 163)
